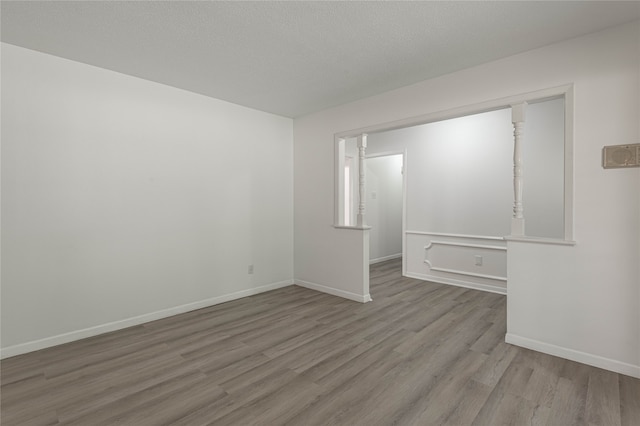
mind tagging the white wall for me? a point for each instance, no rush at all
(384, 207)
(124, 200)
(582, 299)
(459, 173)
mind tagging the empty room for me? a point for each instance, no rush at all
(320, 213)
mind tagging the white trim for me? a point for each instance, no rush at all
(474, 286)
(574, 355)
(385, 258)
(333, 291)
(72, 336)
(461, 272)
(443, 234)
(566, 91)
(384, 154)
(462, 111)
(453, 243)
(538, 240)
(359, 228)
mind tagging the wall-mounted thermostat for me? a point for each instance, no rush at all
(617, 156)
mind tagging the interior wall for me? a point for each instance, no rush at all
(587, 294)
(124, 200)
(459, 173)
(384, 207)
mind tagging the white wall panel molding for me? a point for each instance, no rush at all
(444, 234)
(471, 261)
(536, 240)
(460, 271)
(452, 243)
(130, 322)
(468, 274)
(574, 355)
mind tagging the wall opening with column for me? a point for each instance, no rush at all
(472, 177)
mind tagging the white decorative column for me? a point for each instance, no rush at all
(517, 118)
(362, 145)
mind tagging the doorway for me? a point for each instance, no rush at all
(385, 201)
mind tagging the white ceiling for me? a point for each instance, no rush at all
(295, 58)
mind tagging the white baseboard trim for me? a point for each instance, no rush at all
(385, 258)
(449, 281)
(573, 355)
(60, 339)
(334, 291)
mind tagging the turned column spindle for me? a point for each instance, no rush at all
(518, 119)
(362, 145)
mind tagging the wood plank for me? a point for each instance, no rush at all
(629, 400)
(603, 398)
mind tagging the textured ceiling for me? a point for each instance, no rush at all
(295, 58)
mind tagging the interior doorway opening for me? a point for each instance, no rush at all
(385, 205)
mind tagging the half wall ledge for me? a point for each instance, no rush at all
(540, 240)
(358, 228)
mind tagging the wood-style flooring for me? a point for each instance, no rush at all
(419, 354)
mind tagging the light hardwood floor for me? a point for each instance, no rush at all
(419, 354)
